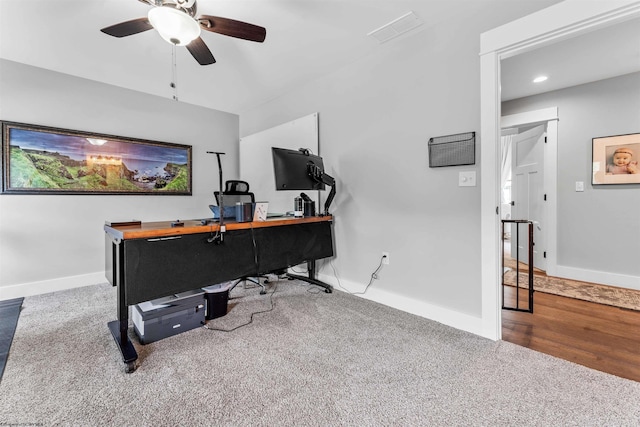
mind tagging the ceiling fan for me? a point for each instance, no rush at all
(178, 23)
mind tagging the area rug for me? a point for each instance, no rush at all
(524, 268)
(9, 313)
(601, 294)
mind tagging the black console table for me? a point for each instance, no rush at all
(151, 260)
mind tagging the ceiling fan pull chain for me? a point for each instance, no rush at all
(174, 73)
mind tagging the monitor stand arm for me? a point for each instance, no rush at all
(318, 175)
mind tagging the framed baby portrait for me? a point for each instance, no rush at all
(616, 159)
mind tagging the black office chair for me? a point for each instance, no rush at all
(238, 191)
(235, 191)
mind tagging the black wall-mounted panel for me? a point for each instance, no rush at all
(452, 150)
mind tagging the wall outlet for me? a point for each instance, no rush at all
(385, 258)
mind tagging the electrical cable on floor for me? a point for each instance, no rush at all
(250, 318)
(374, 276)
(335, 274)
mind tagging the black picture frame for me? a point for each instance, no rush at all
(46, 160)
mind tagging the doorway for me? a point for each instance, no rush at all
(528, 181)
(526, 34)
(523, 189)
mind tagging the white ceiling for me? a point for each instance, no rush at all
(306, 39)
(609, 52)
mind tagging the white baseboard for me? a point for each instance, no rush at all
(52, 285)
(442, 315)
(601, 277)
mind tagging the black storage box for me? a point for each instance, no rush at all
(217, 297)
(168, 316)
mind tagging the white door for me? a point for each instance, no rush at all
(527, 191)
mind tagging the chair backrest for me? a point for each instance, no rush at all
(232, 199)
(235, 191)
(235, 186)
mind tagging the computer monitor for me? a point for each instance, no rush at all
(293, 169)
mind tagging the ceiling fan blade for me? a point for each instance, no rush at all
(233, 28)
(201, 52)
(128, 28)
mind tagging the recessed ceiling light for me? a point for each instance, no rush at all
(540, 79)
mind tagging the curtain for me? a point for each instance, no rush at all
(505, 169)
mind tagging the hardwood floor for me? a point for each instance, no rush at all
(598, 336)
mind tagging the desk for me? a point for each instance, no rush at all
(151, 260)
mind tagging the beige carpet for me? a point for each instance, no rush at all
(314, 360)
(601, 294)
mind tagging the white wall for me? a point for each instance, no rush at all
(51, 242)
(376, 116)
(598, 229)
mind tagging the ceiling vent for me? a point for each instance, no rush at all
(396, 27)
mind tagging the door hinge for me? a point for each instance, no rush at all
(545, 197)
(544, 254)
(497, 210)
(545, 139)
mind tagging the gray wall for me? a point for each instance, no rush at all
(50, 239)
(376, 116)
(598, 229)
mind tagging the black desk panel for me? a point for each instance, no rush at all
(162, 266)
(283, 247)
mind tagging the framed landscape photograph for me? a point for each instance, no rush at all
(43, 160)
(616, 159)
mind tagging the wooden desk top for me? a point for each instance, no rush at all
(163, 228)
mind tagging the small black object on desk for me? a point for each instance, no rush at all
(177, 223)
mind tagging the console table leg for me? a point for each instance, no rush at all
(327, 287)
(120, 330)
(129, 355)
(311, 268)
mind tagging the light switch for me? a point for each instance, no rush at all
(579, 186)
(467, 179)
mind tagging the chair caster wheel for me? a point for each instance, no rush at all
(130, 367)
(263, 292)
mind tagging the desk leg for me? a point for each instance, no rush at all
(311, 268)
(129, 355)
(120, 331)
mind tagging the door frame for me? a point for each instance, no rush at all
(550, 175)
(555, 23)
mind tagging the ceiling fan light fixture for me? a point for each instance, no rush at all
(173, 25)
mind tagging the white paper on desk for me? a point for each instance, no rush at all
(260, 213)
